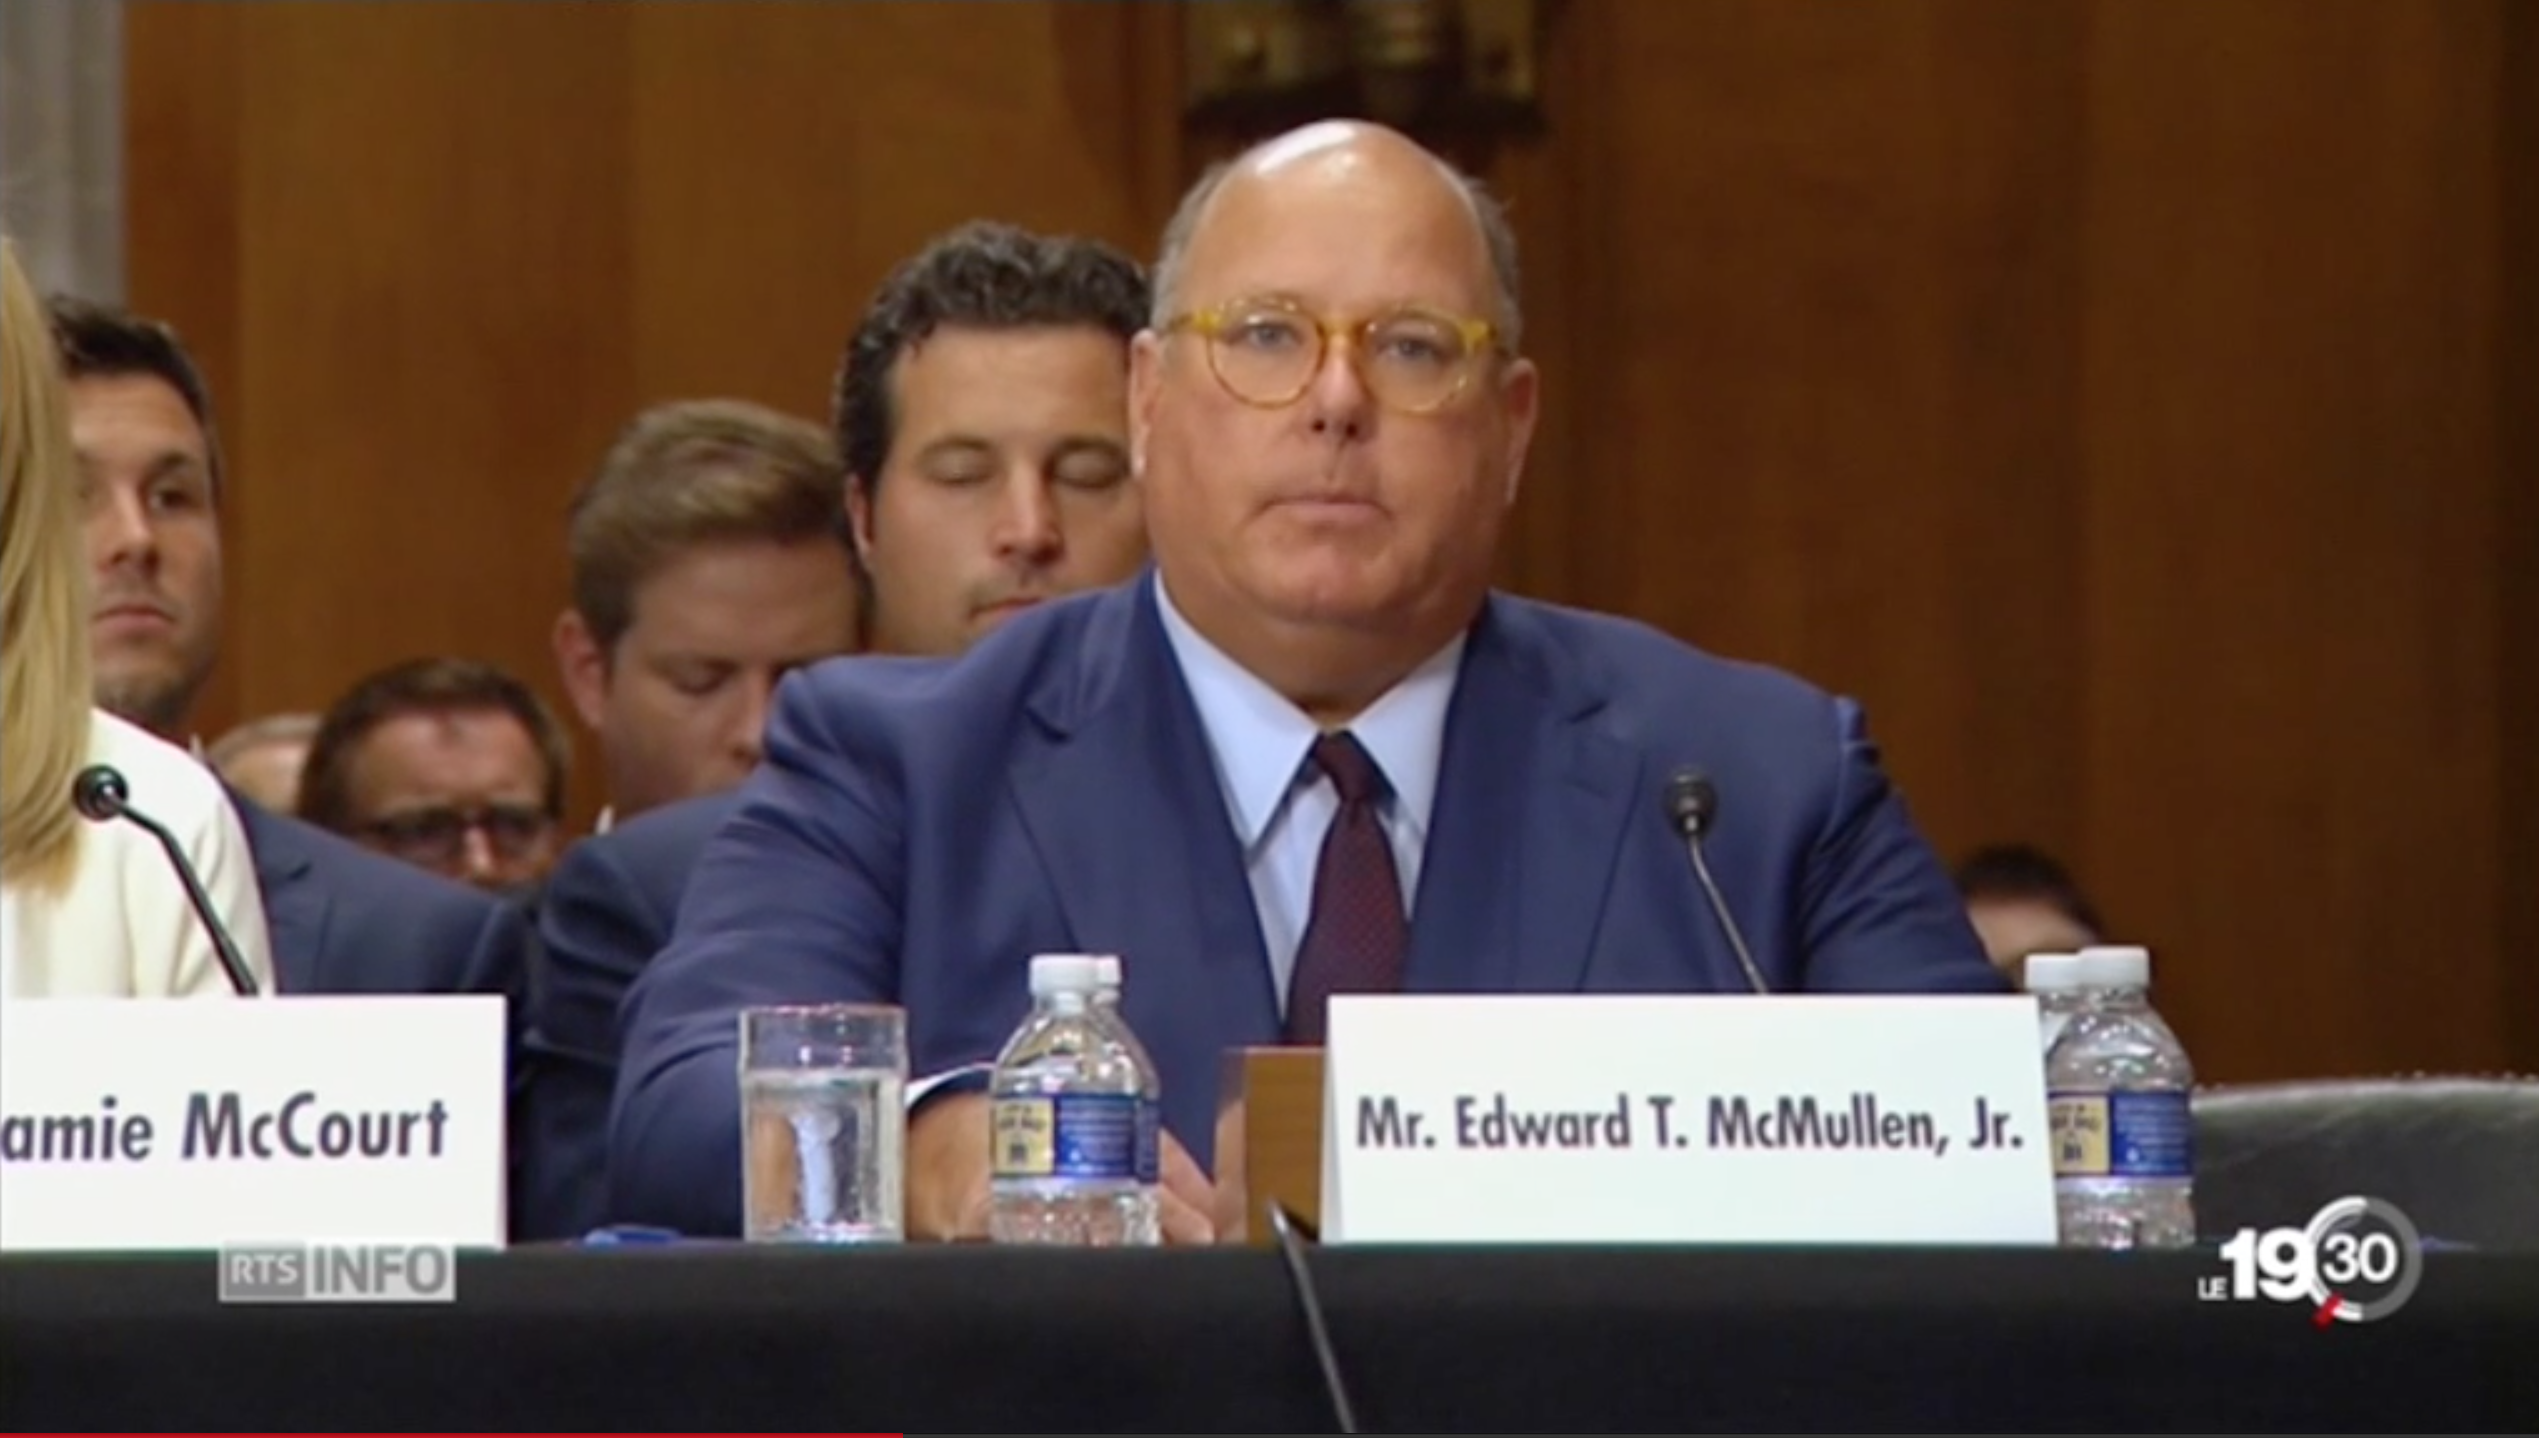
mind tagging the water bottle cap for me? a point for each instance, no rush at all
(1065, 974)
(1107, 970)
(2052, 973)
(2116, 966)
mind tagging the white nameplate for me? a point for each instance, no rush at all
(131, 1124)
(1685, 1119)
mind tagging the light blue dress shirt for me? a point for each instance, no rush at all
(1280, 804)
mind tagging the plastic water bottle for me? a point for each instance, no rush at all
(2120, 1092)
(1075, 1120)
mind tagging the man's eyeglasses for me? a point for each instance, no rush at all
(439, 836)
(1266, 352)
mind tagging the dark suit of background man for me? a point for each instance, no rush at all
(1310, 753)
(982, 413)
(343, 920)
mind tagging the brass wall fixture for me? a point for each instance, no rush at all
(1469, 69)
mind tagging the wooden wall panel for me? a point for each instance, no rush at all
(1816, 397)
(790, 155)
(435, 329)
(182, 249)
(2291, 628)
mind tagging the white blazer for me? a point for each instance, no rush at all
(121, 928)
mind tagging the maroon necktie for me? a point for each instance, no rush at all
(1357, 936)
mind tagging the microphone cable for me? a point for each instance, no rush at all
(1317, 1329)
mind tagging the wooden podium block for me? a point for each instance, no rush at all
(1269, 1141)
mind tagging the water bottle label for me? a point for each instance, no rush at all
(1079, 1135)
(2129, 1134)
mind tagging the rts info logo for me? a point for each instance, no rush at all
(2358, 1260)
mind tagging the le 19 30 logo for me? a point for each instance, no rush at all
(2356, 1261)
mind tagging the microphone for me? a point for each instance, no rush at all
(1692, 802)
(102, 796)
(1292, 1248)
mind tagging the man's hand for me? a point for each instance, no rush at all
(948, 1169)
(1189, 1201)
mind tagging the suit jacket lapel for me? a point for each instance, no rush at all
(295, 907)
(1123, 806)
(1532, 804)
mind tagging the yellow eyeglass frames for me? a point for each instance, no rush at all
(1266, 352)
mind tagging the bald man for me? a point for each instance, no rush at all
(1311, 706)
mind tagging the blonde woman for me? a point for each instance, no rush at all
(87, 910)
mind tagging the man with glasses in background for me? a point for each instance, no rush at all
(1310, 752)
(448, 764)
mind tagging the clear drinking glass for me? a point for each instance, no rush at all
(824, 1123)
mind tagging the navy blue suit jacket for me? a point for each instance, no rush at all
(605, 912)
(347, 921)
(921, 828)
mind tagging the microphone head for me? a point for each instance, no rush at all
(1691, 801)
(100, 792)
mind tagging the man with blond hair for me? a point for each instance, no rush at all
(709, 558)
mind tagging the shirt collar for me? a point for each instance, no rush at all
(1261, 741)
